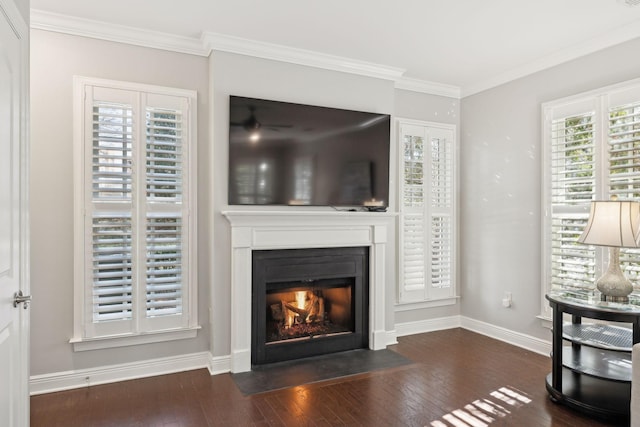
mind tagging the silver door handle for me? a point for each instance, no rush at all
(19, 298)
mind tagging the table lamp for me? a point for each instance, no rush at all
(615, 224)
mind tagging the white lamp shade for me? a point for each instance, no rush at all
(613, 223)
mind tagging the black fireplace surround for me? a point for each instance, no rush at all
(334, 284)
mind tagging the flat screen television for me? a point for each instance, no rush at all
(282, 153)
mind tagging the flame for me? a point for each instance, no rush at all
(301, 297)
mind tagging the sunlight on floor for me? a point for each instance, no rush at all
(481, 413)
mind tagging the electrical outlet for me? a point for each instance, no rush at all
(506, 300)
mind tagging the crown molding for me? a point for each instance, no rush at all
(208, 42)
(603, 41)
(66, 24)
(432, 88)
(15, 19)
(225, 43)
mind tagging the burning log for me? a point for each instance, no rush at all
(307, 308)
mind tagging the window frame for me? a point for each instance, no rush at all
(140, 332)
(427, 297)
(600, 101)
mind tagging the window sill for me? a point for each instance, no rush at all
(408, 306)
(86, 344)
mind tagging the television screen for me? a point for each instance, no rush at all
(291, 154)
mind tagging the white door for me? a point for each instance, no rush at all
(14, 249)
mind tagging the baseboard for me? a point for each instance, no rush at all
(518, 339)
(429, 325)
(219, 364)
(48, 383)
(527, 342)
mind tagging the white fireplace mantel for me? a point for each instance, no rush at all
(259, 230)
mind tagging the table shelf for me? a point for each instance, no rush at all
(597, 335)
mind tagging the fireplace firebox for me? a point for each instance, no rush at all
(307, 302)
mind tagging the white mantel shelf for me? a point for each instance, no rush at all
(277, 217)
(296, 229)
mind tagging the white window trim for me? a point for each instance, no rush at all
(429, 300)
(79, 341)
(601, 102)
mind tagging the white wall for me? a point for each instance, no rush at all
(55, 58)
(501, 166)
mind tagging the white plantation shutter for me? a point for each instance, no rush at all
(112, 154)
(441, 259)
(592, 152)
(136, 177)
(413, 252)
(164, 155)
(624, 170)
(112, 268)
(427, 212)
(164, 266)
(442, 193)
(573, 187)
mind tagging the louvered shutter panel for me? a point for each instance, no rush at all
(441, 236)
(414, 237)
(166, 215)
(112, 151)
(110, 240)
(164, 266)
(573, 187)
(112, 268)
(414, 277)
(624, 170)
(164, 155)
(427, 192)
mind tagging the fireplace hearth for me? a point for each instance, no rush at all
(308, 302)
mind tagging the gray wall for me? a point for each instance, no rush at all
(501, 169)
(55, 58)
(439, 109)
(23, 7)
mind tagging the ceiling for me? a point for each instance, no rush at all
(468, 44)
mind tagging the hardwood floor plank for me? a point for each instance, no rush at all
(458, 378)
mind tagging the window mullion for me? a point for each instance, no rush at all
(140, 212)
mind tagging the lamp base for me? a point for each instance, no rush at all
(613, 286)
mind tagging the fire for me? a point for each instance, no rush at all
(301, 297)
(301, 303)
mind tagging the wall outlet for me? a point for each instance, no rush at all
(506, 300)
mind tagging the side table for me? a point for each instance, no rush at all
(593, 373)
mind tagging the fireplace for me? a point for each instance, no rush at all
(265, 230)
(308, 302)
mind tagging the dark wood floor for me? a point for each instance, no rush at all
(459, 379)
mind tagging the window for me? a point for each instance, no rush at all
(592, 152)
(427, 211)
(135, 213)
